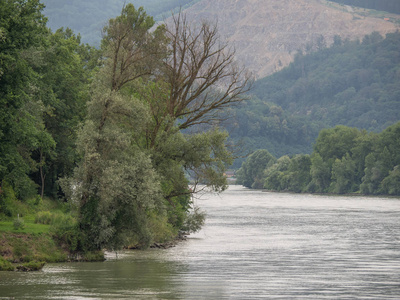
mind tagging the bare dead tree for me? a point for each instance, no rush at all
(202, 74)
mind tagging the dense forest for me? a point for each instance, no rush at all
(351, 83)
(89, 17)
(344, 160)
(392, 6)
(108, 132)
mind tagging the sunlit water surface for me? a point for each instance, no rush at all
(255, 245)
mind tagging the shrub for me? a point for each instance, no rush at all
(5, 265)
(160, 229)
(43, 217)
(18, 224)
(31, 266)
(194, 221)
(65, 229)
(9, 204)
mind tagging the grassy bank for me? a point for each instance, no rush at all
(39, 233)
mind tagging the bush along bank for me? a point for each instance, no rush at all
(32, 239)
(30, 252)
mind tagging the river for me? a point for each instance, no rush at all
(255, 245)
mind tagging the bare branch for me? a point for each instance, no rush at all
(202, 73)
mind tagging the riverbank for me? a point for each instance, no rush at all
(22, 251)
(30, 251)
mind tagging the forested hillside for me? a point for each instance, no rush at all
(355, 84)
(89, 17)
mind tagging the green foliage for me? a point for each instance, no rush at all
(194, 220)
(252, 171)
(23, 28)
(24, 247)
(31, 266)
(390, 185)
(7, 199)
(43, 90)
(18, 224)
(161, 230)
(343, 173)
(116, 183)
(289, 174)
(65, 69)
(261, 124)
(44, 217)
(5, 265)
(345, 160)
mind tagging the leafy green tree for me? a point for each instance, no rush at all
(320, 174)
(251, 174)
(390, 184)
(365, 144)
(336, 142)
(134, 155)
(277, 177)
(115, 185)
(64, 66)
(22, 28)
(299, 171)
(343, 173)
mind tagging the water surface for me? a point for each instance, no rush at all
(255, 245)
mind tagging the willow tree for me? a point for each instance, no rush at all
(115, 185)
(153, 84)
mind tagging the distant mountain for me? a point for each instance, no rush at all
(356, 84)
(267, 34)
(90, 16)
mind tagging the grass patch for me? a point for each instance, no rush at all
(5, 265)
(36, 231)
(29, 228)
(19, 247)
(31, 266)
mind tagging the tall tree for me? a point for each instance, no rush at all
(133, 150)
(22, 28)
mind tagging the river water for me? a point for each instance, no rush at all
(255, 245)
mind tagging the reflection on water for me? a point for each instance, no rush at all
(255, 245)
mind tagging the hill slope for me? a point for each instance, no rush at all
(268, 33)
(351, 83)
(90, 16)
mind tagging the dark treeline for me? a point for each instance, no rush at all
(392, 6)
(344, 160)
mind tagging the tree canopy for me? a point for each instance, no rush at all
(344, 160)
